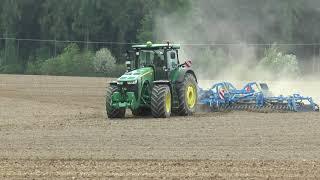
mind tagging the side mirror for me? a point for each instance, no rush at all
(173, 55)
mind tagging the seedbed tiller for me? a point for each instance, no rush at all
(253, 97)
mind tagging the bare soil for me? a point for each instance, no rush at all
(56, 128)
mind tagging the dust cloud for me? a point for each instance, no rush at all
(221, 47)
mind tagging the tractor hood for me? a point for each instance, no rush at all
(135, 74)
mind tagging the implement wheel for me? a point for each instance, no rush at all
(161, 101)
(188, 96)
(111, 111)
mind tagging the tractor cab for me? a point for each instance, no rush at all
(163, 58)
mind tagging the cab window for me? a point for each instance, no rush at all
(172, 59)
(147, 58)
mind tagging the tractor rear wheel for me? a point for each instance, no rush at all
(111, 111)
(187, 95)
(161, 101)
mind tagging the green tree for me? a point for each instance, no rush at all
(10, 17)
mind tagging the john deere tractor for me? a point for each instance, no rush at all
(155, 84)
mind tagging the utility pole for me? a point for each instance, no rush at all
(1, 48)
(314, 60)
(18, 48)
(55, 46)
(319, 62)
(5, 47)
(87, 36)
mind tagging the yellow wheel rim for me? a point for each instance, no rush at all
(168, 102)
(191, 96)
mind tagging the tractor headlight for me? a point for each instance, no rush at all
(120, 83)
(133, 82)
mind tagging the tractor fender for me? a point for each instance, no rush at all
(183, 74)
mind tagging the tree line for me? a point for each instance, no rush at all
(130, 21)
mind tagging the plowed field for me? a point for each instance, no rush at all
(56, 127)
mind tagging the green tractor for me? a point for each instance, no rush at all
(155, 84)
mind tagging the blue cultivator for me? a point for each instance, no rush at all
(253, 97)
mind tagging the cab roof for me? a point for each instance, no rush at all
(157, 46)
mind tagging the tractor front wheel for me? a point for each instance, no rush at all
(188, 95)
(161, 101)
(111, 111)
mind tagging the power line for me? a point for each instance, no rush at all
(249, 44)
(69, 41)
(182, 44)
